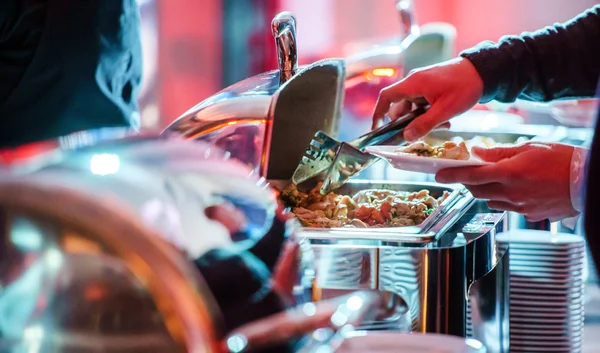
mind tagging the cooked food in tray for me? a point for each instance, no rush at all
(448, 150)
(367, 208)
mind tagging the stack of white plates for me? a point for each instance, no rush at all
(395, 342)
(547, 276)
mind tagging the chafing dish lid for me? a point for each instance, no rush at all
(169, 182)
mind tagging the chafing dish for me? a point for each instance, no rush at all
(445, 275)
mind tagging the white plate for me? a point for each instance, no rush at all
(394, 342)
(410, 162)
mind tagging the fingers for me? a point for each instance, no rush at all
(400, 109)
(470, 175)
(435, 116)
(400, 91)
(492, 192)
(504, 206)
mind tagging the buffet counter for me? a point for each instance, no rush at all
(200, 240)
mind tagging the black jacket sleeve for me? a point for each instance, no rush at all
(562, 61)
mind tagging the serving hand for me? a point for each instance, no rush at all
(531, 179)
(450, 88)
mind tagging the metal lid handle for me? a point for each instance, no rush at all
(284, 31)
(406, 14)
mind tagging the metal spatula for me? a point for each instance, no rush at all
(323, 149)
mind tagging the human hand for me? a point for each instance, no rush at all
(451, 88)
(578, 113)
(532, 179)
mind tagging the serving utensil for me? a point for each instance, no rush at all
(348, 162)
(324, 150)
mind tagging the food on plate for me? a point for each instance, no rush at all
(479, 141)
(375, 208)
(457, 148)
(448, 150)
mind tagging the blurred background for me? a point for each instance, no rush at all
(193, 48)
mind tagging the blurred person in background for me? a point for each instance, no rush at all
(539, 180)
(67, 66)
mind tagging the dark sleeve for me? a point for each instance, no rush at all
(562, 61)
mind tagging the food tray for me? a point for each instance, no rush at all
(455, 206)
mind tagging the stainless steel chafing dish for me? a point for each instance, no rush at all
(444, 276)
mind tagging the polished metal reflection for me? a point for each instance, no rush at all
(284, 31)
(323, 323)
(79, 275)
(434, 279)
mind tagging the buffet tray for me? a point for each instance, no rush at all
(451, 210)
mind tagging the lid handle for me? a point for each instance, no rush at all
(284, 31)
(406, 13)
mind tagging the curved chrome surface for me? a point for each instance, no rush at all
(169, 183)
(323, 322)
(88, 276)
(284, 31)
(432, 42)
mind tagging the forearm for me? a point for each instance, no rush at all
(557, 62)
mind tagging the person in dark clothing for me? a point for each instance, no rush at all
(67, 66)
(539, 180)
(75, 65)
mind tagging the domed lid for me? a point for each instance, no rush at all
(170, 183)
(80, 274)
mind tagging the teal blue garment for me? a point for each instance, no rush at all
(67, 66)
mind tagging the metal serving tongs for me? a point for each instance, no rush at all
(343, 160)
